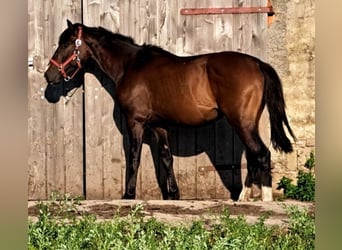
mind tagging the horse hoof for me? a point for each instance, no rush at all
(172, 196)
(266, 193)
(245, 194)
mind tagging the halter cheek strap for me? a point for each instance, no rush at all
(73, 57)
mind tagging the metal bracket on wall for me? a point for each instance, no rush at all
(231, 10)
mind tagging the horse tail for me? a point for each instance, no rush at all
(274, 99)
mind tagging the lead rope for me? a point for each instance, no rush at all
(68, 96)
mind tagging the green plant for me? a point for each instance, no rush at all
(138, 232)
(310, 163)
(305, 188)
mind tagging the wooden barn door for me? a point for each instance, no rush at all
(207, 160)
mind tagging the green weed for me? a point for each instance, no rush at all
(137, 232)
(305, 188)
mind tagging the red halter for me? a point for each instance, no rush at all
(74, 56)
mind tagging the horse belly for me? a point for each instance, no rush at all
(184, 96)
(189, 114)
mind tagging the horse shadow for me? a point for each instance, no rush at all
(217, 139)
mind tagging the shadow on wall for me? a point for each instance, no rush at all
(217, 139)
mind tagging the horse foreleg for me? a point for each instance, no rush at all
(136, 132)
(171, 192)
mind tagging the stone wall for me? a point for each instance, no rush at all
(291, 50)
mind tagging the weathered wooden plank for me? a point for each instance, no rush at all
(110, 15)
(94, 140)
(73, 138)
(172, 25)
(37, 147)
(188, 31)
(36, 128)
(163, 15)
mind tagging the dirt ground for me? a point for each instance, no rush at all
(184, 211)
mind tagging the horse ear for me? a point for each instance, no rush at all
(70, 26)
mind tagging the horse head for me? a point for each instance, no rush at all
(65, 70)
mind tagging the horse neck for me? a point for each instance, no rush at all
(112, 58)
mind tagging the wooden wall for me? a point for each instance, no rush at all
(205, 160)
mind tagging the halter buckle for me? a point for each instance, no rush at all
(78, 42)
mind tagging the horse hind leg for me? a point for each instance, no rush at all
(258, 162)
(252, 171)
(170, 191)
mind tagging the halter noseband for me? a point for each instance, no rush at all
(74, 56)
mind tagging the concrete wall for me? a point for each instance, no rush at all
(291, 50)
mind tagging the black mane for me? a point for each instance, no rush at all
(148, 52)
(148, 48)
(105, 35)
(65, 36)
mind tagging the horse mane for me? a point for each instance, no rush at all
(106, 36)
(147, 52)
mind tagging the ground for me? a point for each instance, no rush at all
(185, 211)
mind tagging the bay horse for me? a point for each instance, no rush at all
(155, 88)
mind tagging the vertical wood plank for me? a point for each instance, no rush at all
(94, 140)
(36, 128)
(37, 186)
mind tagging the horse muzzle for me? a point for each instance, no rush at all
(53, 93)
